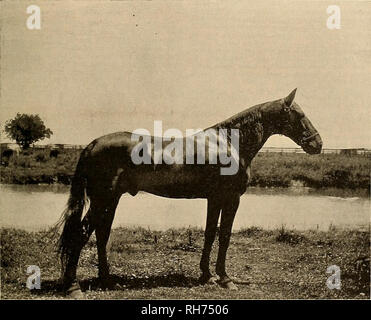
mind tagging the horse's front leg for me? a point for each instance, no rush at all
(228, 213)
(213, 213)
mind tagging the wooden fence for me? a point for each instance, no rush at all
(350, 152)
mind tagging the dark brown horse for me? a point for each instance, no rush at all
(105, 171)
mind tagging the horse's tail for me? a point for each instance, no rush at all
(70, 237)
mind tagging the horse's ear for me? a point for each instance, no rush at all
(290, 98)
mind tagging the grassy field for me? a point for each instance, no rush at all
(268, 169)
(38, 166)
(278, 264)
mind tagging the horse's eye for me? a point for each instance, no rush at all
(287, 109)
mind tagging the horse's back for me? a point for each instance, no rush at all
(112, 141)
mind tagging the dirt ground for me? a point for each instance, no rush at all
(145, 264)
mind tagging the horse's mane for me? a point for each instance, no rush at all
(245, 118)
(250, 124)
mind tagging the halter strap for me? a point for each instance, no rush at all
(305, 139)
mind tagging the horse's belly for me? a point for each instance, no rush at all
(172, 184)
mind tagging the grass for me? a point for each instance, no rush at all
(316, 171)
(38, 166)
(290, 237)
(278, 264)
(268, 169)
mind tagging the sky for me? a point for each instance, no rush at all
(97, 67)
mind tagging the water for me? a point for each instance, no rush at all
(35, 207)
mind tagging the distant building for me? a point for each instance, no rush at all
(12, 146)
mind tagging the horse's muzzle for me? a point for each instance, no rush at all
(312, 144)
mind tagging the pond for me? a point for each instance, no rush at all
(35, 207)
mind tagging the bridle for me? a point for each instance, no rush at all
(307, 136)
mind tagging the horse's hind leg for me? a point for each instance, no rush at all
(102, 232)
(69, 277)
(99, 219)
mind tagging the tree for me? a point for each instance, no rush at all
(26, 129)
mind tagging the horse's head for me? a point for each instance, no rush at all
(293, 123)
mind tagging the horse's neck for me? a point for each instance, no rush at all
(253, 137)
(254, 132)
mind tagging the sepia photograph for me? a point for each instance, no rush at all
(208, 150)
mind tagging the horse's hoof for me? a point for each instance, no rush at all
(74, 292)
(228, 284)
(212, 280)
(209, 280)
